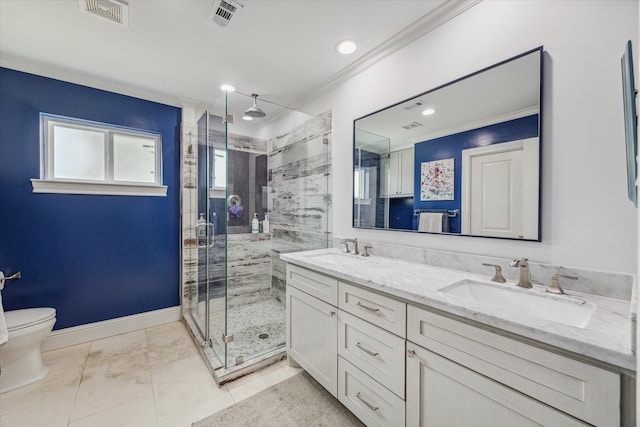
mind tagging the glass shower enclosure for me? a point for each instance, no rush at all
(258, 188)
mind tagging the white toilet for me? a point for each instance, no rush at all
(20, 358)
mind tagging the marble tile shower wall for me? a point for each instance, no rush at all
(249, 267)
(299, 193)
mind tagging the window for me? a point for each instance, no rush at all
(84, 157)
(220, 169)
(361, 183)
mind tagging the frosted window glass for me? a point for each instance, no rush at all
(78, 154)
(134, 158)
(220, 169)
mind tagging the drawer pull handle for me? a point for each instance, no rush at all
(332, 313)
(369, 405)
(371, 309)
(369, 352)
(411, 354)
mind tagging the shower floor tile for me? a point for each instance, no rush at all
(257, 328)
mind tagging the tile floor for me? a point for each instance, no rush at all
(153, 377)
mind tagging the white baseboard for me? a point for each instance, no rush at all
(108, 328)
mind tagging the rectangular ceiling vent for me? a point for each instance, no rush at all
(223, 10)
(411, 125)
(414, 105)
(116, 11)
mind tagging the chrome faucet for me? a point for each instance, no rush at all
(346, 246)
(525, 275)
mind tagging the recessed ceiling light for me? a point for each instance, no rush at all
(227, 88)
(247, 118)
(346, 47)
(428, 111)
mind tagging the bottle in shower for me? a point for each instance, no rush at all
(255, 224)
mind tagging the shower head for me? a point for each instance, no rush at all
(255, 111)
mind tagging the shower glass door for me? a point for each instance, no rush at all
(274, 171)
(207, 291)
(277, 171)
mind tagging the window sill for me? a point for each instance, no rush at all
(67, 187)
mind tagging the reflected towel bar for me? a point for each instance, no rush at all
(450, 213)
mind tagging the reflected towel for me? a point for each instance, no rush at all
(430, 222)
(4, 333)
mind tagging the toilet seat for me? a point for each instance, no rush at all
(20, 319)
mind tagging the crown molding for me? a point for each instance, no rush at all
(427, 23)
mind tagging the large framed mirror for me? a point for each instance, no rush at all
(460, 159)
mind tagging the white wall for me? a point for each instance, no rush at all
(587, 220)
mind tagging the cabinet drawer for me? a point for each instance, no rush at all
(320, 286)
(378, 353)
(380, 310)
(587, 392)
(368, 400)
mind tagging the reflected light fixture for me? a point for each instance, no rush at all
(346, 47)
(227, 88)
(247, 118)
(429, 111)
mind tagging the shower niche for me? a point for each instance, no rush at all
(234, 284)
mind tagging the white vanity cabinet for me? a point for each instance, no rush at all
(393, 363)
(312, 324)
(518, 380)
(397, 173)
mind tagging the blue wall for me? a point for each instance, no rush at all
(451, 146)
(90, 257)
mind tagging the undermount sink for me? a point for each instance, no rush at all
(333, 257)
(560, 309)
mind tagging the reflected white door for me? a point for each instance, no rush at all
(500, 190)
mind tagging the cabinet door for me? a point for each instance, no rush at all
(406, 175)
(585, 391)
(385, 176)
(443, 393)
(312, 337)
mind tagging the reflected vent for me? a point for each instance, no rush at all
(411, 125)
(223, 10)
(115, 11)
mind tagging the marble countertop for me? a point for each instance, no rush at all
(606, 337)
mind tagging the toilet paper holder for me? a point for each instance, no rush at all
(17, 275)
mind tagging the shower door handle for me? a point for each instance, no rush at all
(210, 236)
(208, 240)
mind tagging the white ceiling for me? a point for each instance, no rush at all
(172, 52)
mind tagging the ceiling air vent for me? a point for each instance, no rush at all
(223, 10)
(116, 11)
(411, 125)
(413, 105)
